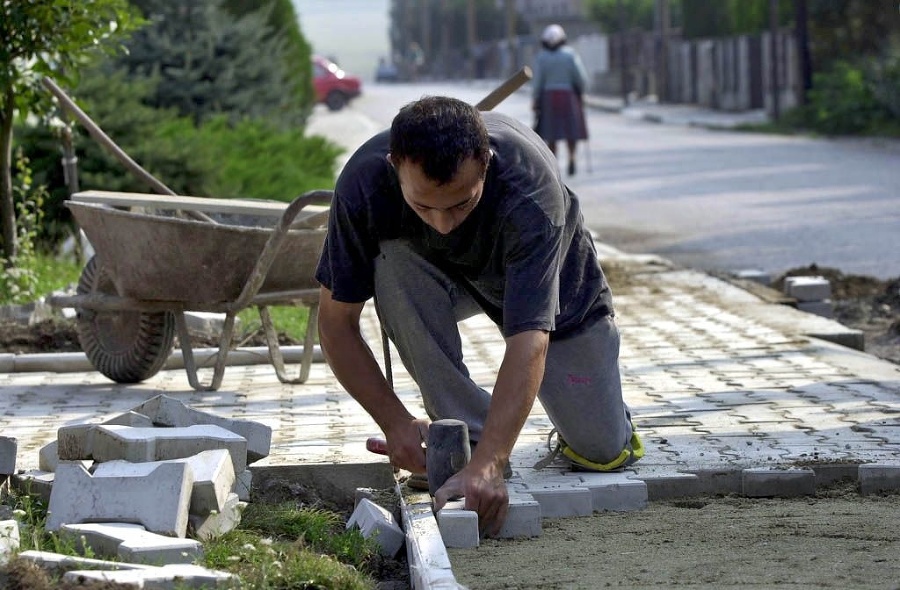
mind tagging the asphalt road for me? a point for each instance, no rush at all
(709, 199)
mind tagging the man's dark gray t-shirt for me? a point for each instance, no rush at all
(523, 252)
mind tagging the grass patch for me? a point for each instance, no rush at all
(275, 547)
(290, 322)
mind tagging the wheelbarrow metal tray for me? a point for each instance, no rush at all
(152, 257)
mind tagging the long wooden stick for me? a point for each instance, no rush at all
(506, 88)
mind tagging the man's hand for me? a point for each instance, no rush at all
(406, 445)
(485, 491)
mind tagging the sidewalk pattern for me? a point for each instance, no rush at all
(717, 380)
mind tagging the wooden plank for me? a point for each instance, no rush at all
(208, 205)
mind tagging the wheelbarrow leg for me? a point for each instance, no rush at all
(187, 352)
(275, 350)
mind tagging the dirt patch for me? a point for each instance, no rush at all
(836, 539)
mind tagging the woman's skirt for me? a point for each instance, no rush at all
(561, 116)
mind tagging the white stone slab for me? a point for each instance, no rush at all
(374, 521)
(168, 577)
(132, 543)
(158, 501)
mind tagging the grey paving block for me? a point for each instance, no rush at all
(48, 456)
(75, 441)
(375, 522)
(217, 523)
(164, 410)
(213, 477)
(9, 539)
(807, 288)
(8, 449)
(131, 542)
(523, 518)
(243, 483)
(158, 444)
(458, 526)
(718, 481)
(158, 501)
(829, 474)
(167, 577)
(564, 501)
(39, 483)
(614, 492)
(879, 477)
(778, 483)
(665, 485)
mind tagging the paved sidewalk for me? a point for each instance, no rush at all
(717, 379)
(677, 114)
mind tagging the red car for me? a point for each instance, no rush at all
(334, 87)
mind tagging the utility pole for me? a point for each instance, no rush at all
(801, 18)
(773, 56)
(511, 36)
(623, 58)
(662, 70)
(471, 30)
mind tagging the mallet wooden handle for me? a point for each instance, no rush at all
(508, 86)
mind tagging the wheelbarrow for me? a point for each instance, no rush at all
(160, 256)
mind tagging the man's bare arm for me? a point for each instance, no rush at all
(352, 362)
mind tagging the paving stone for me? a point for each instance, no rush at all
(131, 543)
(614, 492)
(57, 563)
(164, 410)
(564, 501)
(75, 441)
(523, 518)
(9, 539)
(217, 523)
(807, 288)
(458, 526)
(662, 486)
(879, 477)
(38, 483)
(778, 483)
(8, 449)
(374, 521)
(167, 577)
(718, 481)
(158, 501)
(242, 484)
(158, 444)
(213, 477)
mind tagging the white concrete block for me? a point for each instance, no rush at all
(9, 539)
(167, 577)
(217, 523)
(564, 501)
(822, 308)
(615, 492)
(57, 563)
(8, 449)
(158, 501)
(213, 477)
(139, 445)
(242, 483)
(523, 518)
(48, 457)
(458, 526)
(164, 410)
(75, 441)
(373, 520)
(132, 543)
(879, 477)
(807, 288)
(38, 483)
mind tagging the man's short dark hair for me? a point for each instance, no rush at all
(439, 133)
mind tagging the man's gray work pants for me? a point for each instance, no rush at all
(419, 306)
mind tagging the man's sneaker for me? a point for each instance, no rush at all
(633, 451)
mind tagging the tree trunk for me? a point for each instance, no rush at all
(7, 207)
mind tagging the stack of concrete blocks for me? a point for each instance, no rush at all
(813, 294)
(137, 486)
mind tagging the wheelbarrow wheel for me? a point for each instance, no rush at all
(126, 346)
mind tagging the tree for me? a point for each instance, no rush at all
(44, 37)
(210, 62)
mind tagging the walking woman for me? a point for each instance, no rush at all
(558, 86)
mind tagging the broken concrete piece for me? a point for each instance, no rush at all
(164, 410)
(140, 445)
(216, 524)
(159, 501)
(8, 448)
(132, 543)
(9, 539)
(375, 521)
(213, 477)
(167, 577)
